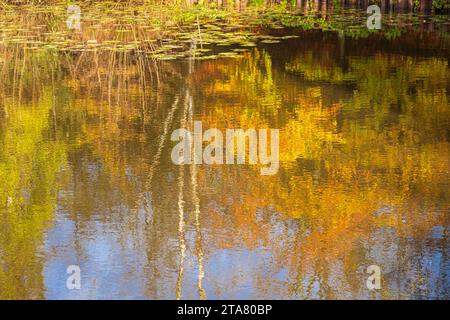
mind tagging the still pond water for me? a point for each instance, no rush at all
(87, 179)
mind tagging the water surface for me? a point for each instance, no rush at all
(87, 177)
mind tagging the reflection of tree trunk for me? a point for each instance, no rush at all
(425, 6)
(196, 202)
(162, 141)
(157, 157)
(324, 8)
(331, 9)
(431, 26)
(181, 218)
(181, 240)
(342, 60)
(306, 7)
(405, 5)
(364, 4)
(316, 5)
(384, 5)
(241, 5)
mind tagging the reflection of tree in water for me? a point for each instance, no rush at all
(362, 165)
(363, 170)
(30, 159)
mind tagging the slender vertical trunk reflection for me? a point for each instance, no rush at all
(181, 222)
(196, 201)
(157, 156)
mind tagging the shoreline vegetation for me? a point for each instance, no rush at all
(168, 30)
(146, 34)
(115, 36)
(392, 5)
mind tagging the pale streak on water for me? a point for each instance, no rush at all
(363, 176)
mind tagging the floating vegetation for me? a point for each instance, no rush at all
(270, 41)
(229, 54)
(248, 44)
(239, 50)
(175, 33)
(210, 57)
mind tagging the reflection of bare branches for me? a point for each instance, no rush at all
(162, 141)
